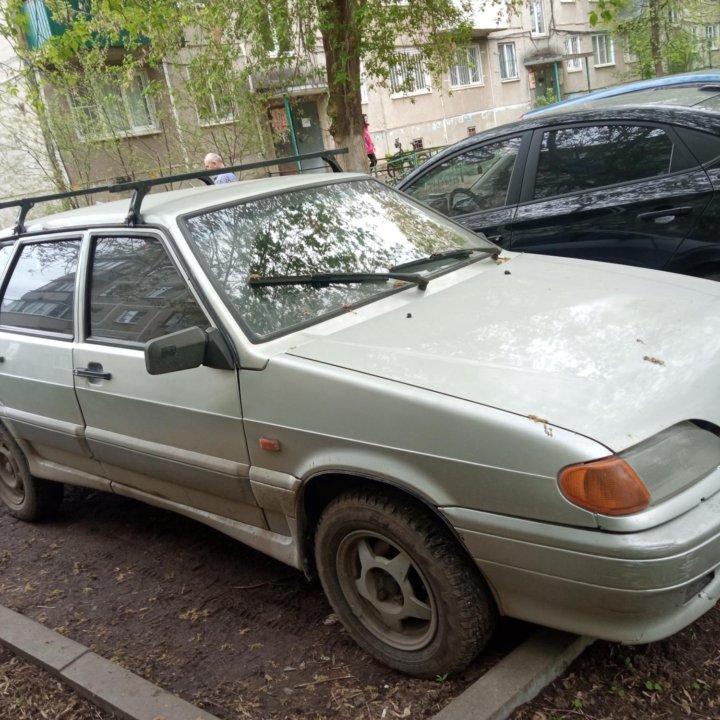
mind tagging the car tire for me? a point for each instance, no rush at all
(401, 584)
(26, 497)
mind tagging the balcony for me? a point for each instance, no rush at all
(43, 23)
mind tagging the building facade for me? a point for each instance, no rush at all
(547, 52)
(112, 129)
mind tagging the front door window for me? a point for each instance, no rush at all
(136, 293)
(475, 180)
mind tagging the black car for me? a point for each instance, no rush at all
(636, 185)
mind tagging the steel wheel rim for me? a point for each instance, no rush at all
(386, 590)
(12, 488)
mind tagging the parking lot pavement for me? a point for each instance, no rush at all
(513, 681)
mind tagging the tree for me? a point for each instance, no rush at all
(658, 32)
(245, 51)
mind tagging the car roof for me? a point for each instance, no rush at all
(651, 90)
(697, 119)
(164, 207)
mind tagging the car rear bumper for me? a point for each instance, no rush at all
(625, 587)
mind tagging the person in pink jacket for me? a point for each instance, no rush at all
(369, 144)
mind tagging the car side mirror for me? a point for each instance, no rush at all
(187, 349)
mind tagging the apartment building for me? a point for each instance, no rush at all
(547, 52)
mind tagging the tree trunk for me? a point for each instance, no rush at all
(341, 42)
(655, 47)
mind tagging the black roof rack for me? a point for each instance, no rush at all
(141, 188)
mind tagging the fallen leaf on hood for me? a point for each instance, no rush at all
(655, 360)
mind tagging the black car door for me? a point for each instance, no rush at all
(611, 191)
(478, 186)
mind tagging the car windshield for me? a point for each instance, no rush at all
(339, 232)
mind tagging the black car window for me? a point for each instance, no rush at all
(703, 145)
(584, 158)
(474, 180)
(40, 290)
(136, 293)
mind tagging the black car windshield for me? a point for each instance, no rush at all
(347, 227)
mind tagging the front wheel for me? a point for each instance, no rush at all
(27, 497)
(401, 584)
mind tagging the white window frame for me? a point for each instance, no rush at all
(505, 70)
(216, 118)
(712, 36)
(573, 47)
(603, 45)
(88, 107)
(538, 26)
(410, 61)
(467, 70)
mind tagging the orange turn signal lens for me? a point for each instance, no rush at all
(608, 487)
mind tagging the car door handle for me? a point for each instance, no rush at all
(669, 213)
(94, 371)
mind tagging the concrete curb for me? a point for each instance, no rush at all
(104, 683)
(517, 678)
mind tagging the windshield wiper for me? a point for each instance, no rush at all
(325, 279)
(458, 253)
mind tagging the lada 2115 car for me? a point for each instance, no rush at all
(354, 384)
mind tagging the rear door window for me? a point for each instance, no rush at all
(40, 291)
(583, 158)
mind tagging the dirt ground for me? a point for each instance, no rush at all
(245, 637)
(676, 678)
(198, 614)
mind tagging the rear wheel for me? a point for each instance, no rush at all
(26, 497)
(401, 584)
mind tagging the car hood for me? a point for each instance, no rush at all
(611, 352)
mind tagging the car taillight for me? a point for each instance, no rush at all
(609, 487)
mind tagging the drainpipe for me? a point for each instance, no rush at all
(293, 139)
(587, 72)
(557, 80)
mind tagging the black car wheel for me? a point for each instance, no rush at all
(401, 584)
(26, 497)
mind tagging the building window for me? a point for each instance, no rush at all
(537, 17)
(214, 108)
(712, 34)
(508, 61)
(129, 317)
(572, 47)
(603, 49)
(112, 107)
(408, 75)
(467, 69)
